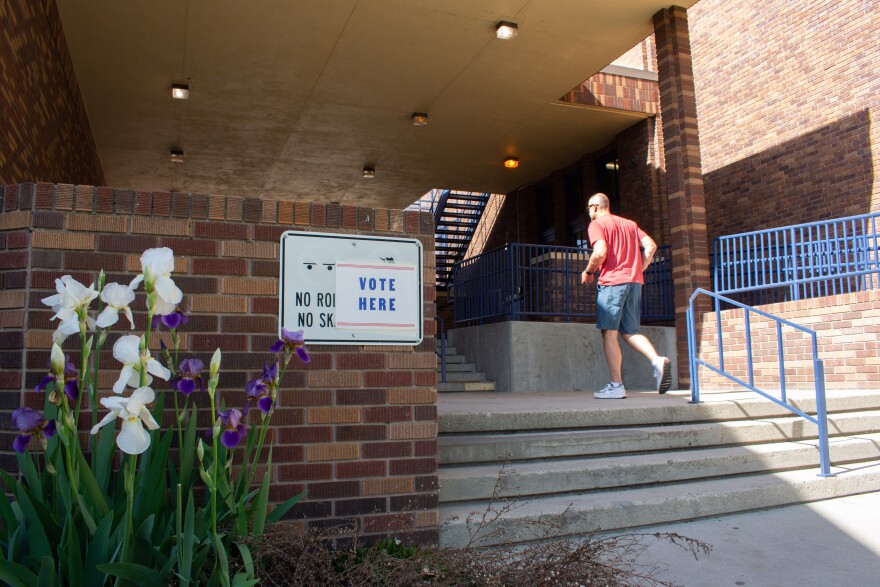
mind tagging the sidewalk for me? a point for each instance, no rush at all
(833, 542)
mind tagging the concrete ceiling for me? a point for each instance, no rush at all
(292, 98)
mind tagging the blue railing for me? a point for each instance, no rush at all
(799, 262)
(521, 281)
(821, 418)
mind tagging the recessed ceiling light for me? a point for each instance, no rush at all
(369, 173)
(176, 156)
(505, 30)
(511, 162)
(420, 118)
(180, 91)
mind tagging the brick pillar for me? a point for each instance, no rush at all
(684, 180)
(356, 428)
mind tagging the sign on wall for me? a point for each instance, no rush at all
(351, 289)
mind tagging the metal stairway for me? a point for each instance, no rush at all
(456, 217)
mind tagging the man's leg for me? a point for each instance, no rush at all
(641, 343)
(613, 356)
(629, 330)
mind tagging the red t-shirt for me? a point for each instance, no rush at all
(623, 264)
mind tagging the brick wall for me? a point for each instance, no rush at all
(848, 329)
(356, 427)
(788, 96)
(46, 133)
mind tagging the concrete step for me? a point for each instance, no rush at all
(459, 367)
(581, 514)
(503, 413)
(462, 386)
(452, 360)
(461, 376)
(542, 478)
(495, 448)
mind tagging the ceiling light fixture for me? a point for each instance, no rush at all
(511, 162)
(420, 118)
(176, 156)
(505, 30)
(180, 91)
(369, 173)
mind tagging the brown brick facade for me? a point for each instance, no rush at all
(789, 95)
(848, 343)
(357, 426)
(46, 133)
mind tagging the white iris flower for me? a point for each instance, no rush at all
(72, 296)
(118, 298)
(157, 266)
(132, 438)
(128, 352)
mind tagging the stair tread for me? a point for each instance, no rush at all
(454, 449)
(477, 482)
(580, 514)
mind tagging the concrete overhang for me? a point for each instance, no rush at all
(292, 98)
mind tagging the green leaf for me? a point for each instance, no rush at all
(188, 451)
(29, 472)
(98, 552)
(261, 506)
(74, 557)
(154, 468)
(247, 559)
(47, 573)
(138, 574)
(186, 543)
(16, 575)
(242, 580)
(38, 542)
(104, 458)
(282, 508)
(221, 563)
(90, 487)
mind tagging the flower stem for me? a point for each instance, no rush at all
(128, 537)
(216, 438)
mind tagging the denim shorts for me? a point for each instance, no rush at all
(619, 307)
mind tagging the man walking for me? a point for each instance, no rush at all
(621, 253)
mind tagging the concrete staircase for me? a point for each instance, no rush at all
(460, 375)
(586, 466)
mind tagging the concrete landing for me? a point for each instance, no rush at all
(832, 542)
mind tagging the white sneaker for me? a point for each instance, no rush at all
(611, 391)
(662, 374)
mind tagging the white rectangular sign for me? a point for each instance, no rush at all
(351, 289)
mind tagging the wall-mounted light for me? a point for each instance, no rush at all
(176, 156)
(505, 30)
(420, 118)
(511, 163)
(180, 91)
(369, 173)
(612, 166)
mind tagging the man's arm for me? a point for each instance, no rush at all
(649, 247)
(597, 257)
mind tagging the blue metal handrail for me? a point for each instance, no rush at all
(821, 418)
(520, 281)
(800, 261)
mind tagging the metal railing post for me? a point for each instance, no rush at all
(822, 418)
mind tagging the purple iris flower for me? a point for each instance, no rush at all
(261, 389)
(233, 429)
(30, 423)
(188, 375)
(292, 341)
(71, 381)
(173, 320)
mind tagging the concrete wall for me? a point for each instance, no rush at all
(547, 356)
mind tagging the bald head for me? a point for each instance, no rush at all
(599, 200)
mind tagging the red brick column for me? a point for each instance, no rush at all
(684, 181)
(356, 428)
